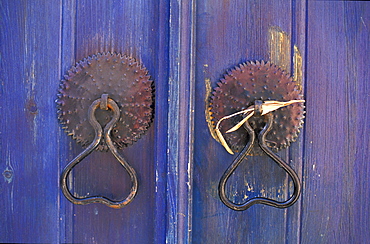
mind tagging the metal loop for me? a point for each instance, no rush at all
(236, 162)
(104, 102)
(98, 136)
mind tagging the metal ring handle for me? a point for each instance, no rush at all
(98, 136)
(236, 162)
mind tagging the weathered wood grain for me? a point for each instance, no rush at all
(336, 195)
(180, 121)
(30, 57)
(39, 43)
(333, 207)
(187, 46)
(132, 28)
(228, 34)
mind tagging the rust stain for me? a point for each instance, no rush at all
(208, 113)
(297, 67)
(279, 48)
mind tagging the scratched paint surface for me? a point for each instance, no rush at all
(337, 147)
(255, 36)
(39, 43)
(186, 46)
(329, 155)
(29, 134)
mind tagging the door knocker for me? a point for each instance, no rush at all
(257, 101)
(105, 102)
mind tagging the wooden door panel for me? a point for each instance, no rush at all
(39, 43)
(331, 37)
(29, 133)
(187, 46)
(336, 193)
(132, 28)
(227, 35)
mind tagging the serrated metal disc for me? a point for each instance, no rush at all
(252, 81)
(124, 80)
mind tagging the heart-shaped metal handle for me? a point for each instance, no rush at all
(104, 103)
(236, 162)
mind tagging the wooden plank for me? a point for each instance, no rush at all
(228, 34)
(336, 196)
(334, 205)
(298, 40)
(181, 121)
(67, 51)
(139, 29)
(161, 124)
(30, 48)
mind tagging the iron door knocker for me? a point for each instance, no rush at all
(105, 103)
(266, 102)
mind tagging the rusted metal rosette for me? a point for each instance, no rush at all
(105, 103)
(249, 86)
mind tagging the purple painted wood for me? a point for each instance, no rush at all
(180, 121)
(334, 206)
(30, 54)
(228, 34)
(137, 29)
(331, 155)
(336, 169)
(186, 46)
(39, 43)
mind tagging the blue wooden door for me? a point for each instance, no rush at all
(186, 46)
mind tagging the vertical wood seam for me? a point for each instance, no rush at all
(304, 76)
(181, 122)
(161, 126)
(68, 9)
